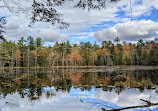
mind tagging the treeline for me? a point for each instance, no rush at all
(32, 53)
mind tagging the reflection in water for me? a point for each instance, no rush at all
(75, 89)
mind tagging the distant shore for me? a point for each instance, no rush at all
(97, 68)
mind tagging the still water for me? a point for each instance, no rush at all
(76, 89)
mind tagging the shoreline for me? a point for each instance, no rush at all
(96, 68)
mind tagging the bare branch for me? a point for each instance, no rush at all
(2, 23)
(132, 107)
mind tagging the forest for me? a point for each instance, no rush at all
(31, 52)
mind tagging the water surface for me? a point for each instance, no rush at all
(76, 89)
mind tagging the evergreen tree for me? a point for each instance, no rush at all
(31, 43)
(23, 48)
(38, 42)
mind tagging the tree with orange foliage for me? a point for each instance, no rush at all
(18, 57)
(74, 57)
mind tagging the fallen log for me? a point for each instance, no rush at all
(133, 107)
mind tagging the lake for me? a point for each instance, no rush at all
(77, 89)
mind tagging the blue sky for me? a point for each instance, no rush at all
(96, 25)
(121, 13)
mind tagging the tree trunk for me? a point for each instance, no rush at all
(67, 61)
(137, 58)
(12, 58)
(28, 58)
(2, 67)
(35, 58)
(63, 58)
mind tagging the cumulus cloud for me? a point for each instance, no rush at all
(129, 31)
(50, 35)
(14, 31)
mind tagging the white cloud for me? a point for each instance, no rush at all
(129, 31)
(76, 42)
(83, 35)
(82, 19)
(50, 35)
(15, 31)
(19, 28)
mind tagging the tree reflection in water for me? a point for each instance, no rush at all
(32, 83)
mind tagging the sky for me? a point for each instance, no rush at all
(95, 25)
